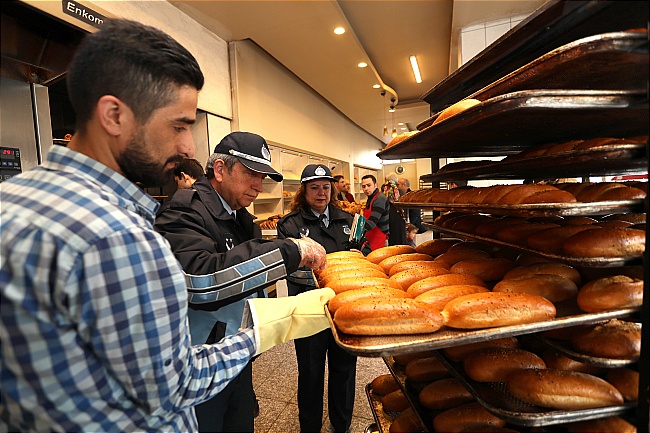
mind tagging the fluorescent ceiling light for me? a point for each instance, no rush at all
(416, 69)
(339, 30)
(362, 64)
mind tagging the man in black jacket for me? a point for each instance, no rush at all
(414, 215)
(213, 235)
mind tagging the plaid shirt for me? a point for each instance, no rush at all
(93, 309)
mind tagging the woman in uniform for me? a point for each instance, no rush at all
(315, 213)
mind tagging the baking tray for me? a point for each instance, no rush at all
(621, 158)
(382, 419)
(536, 209)
(609, 61)
(514, 122)
(562, 347)
(496, 399)
(598, 262)
(568, 314)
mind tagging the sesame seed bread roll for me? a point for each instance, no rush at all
(387, 317)
(486, 270)
(626, 381)
(417, 264)
(380, 254)
(559, 361)
(389, 262)
(522, 192)
(552, 268)
(444, 394)
(439, 297)
(615, 339)
(491, 228)
(434, 247)
(555, 288)
(395, 401)
(460, 353)
(492, 309)
(426, 370)
(345, 255)
(470, 415)
(518, 234)
(431, 283)
(453, 257)
(406, 421)
(602, 425)
(551, 240)
(410, 276)
(611, 293)
(366, 293)
(384, 384)
(605, 242)
(495, 363)
(351, 273)
(558, 389)
(341, 285)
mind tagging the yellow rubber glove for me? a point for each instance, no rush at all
(277, 320)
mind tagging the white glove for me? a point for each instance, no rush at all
(312, 254)
(278, 320)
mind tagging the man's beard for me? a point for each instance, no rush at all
(138, 166)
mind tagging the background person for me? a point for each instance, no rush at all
(342, 189)
(315, 213)
(414, 215)
(187, 172)
(210, 231)
(93, 304)
(376, 213)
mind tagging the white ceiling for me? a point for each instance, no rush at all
(382, 33)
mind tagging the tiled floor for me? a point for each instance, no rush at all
(275, 379)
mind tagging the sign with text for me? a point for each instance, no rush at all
(83, 13)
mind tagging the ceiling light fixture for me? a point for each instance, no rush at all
(416, 69)
(383, 108)
(362, 64)
(376, 86)
(339, 30)
(392, 110)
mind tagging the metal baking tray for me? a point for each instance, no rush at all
(598, 262)
(562, 347)
(514, 122)
(382, 419)
(388, 345)
(536, 209)
(617, 158)
(609, 61)
(494, 397)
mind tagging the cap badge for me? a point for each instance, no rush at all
(320, 171)
(265, 153)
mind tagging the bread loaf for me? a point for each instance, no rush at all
(382, 253)
(453, 257)
(492, 309)
(605, 242)
(444, 394)
(548, 268)
(603, 425)
(345, 255)
(470, 415)
(518, 234)
(438, 298)
(626, 381)
(495, 363)
(387, 317)
(491, 228)
(520, 194)
(389, 262)
(460, 353)
(634, 218)
(342, 266)
(434, 247)
(426, 369)
(497, 192)
(366, 293)
(455, 109)
(410, 276)
(551, 240)
(417, 264)
(472, 245)
(555, 288)
(406, 421)
(576, 220)
(558, 389)
(615, 339)
(341, 285)
(486, 270)
(611, 293)
(395, 401)
(325, 280)
(405, 358)
(384, 384)
(559, 361)
(431, 283)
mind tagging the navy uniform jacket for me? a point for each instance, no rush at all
(333, 238)
(206, 239)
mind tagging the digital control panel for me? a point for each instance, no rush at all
(9, 162)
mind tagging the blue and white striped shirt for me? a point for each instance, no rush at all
(93, 309)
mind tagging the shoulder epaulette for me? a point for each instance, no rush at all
(182, 198)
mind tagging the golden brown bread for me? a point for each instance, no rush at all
(496, 192)
(410, 276)
(492, 309)
(469, 223)
(344, 284)
(611, 293)
(495, 363)
(491, 228)
(366, 293)
(522, 192)
(470, 415)
(486, 270)
(417, 264)
(455, 109)
(384, 384)
(559, 361)
(405, 358)
(615, 339)
(551, 240)
(431, 283)
(382, 253)
(602, 425)
(559, 389)
(626, 381)
(444, 394)
(553, 268)
(406, 421)
(439, 297)
(605, 242)
(473, 245)
(460, 353)
(389, 262)
(434, 247)
(345, 255)
(387, 317)
(399, 138)
(453, 257)
(426, 369)
(325, 280)
(518, 234)
(555, 288)
(395, 401)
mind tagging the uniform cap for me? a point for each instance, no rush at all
(251, 150)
